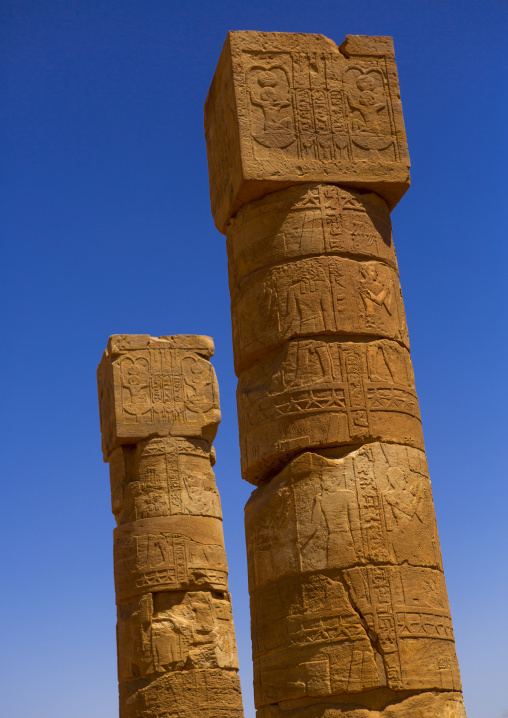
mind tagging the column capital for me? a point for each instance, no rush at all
(288, 108)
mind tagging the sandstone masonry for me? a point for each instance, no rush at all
(159, 408)
(307, 156)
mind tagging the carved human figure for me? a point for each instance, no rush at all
(367, 104)
(138, 392)
(308, 362)
(309, 304)
(336, 506)
(401, 499)
(376, 295)
(277, 128)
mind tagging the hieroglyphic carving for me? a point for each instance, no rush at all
(156, 386)
(304, 110)
(314, 634)
(313, 394)
(316, 296)
(210, 693)
(175, 630)
(372, 506)
(169, 553)
(174, 610)
(162, 477)
(306, 220)
(349, 609)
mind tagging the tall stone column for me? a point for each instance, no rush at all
(307, 156)
(159, 409)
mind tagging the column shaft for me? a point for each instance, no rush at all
(175, 635)
(350, 615)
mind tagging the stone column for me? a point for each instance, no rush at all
(307, 156)
(159, 409)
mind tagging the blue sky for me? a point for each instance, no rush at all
(106, 228)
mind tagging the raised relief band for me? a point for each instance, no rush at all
(308, 220)
(315, 394)
(159, 410)
(319, 296)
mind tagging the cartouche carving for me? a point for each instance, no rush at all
(159, 410)
(307, 157)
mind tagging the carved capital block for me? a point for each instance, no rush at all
(372, 505)
(313, 394)
(308, 220)
(288, 108)
(157, 387)
(169, 554)
(317, 296)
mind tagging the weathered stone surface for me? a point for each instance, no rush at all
(307, 156)
(169, 553)
(430, 704)
(371, 506)
(159, 411)
(164, 476)
(316, 394)
(308, 220)
(175, 630)
(354, 631)
(319, 296)
(288, 108)
(151, 386)
(212, 693)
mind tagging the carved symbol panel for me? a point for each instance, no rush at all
(163, 477)
(285, 108)
(147, 559)
(313, 107)
(314, 633)
(156, 388)
(306, 220)
(313, 394)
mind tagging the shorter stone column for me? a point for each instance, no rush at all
(159, 407)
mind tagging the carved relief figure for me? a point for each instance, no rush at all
(136, 394)
(336, 506)
(309, 303)
(376, 295)
(271, 96)
(367, 105)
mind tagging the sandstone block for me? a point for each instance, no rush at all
(289, 108)
(169, 554)
(164, 476)
(316, 394)
(308, 220)
(157, 386)
(370, 506)
(318, 296)
(209, 693)
(430, 704)
(171, 631)
(362, 629)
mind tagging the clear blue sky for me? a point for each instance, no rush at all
(106, 229)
